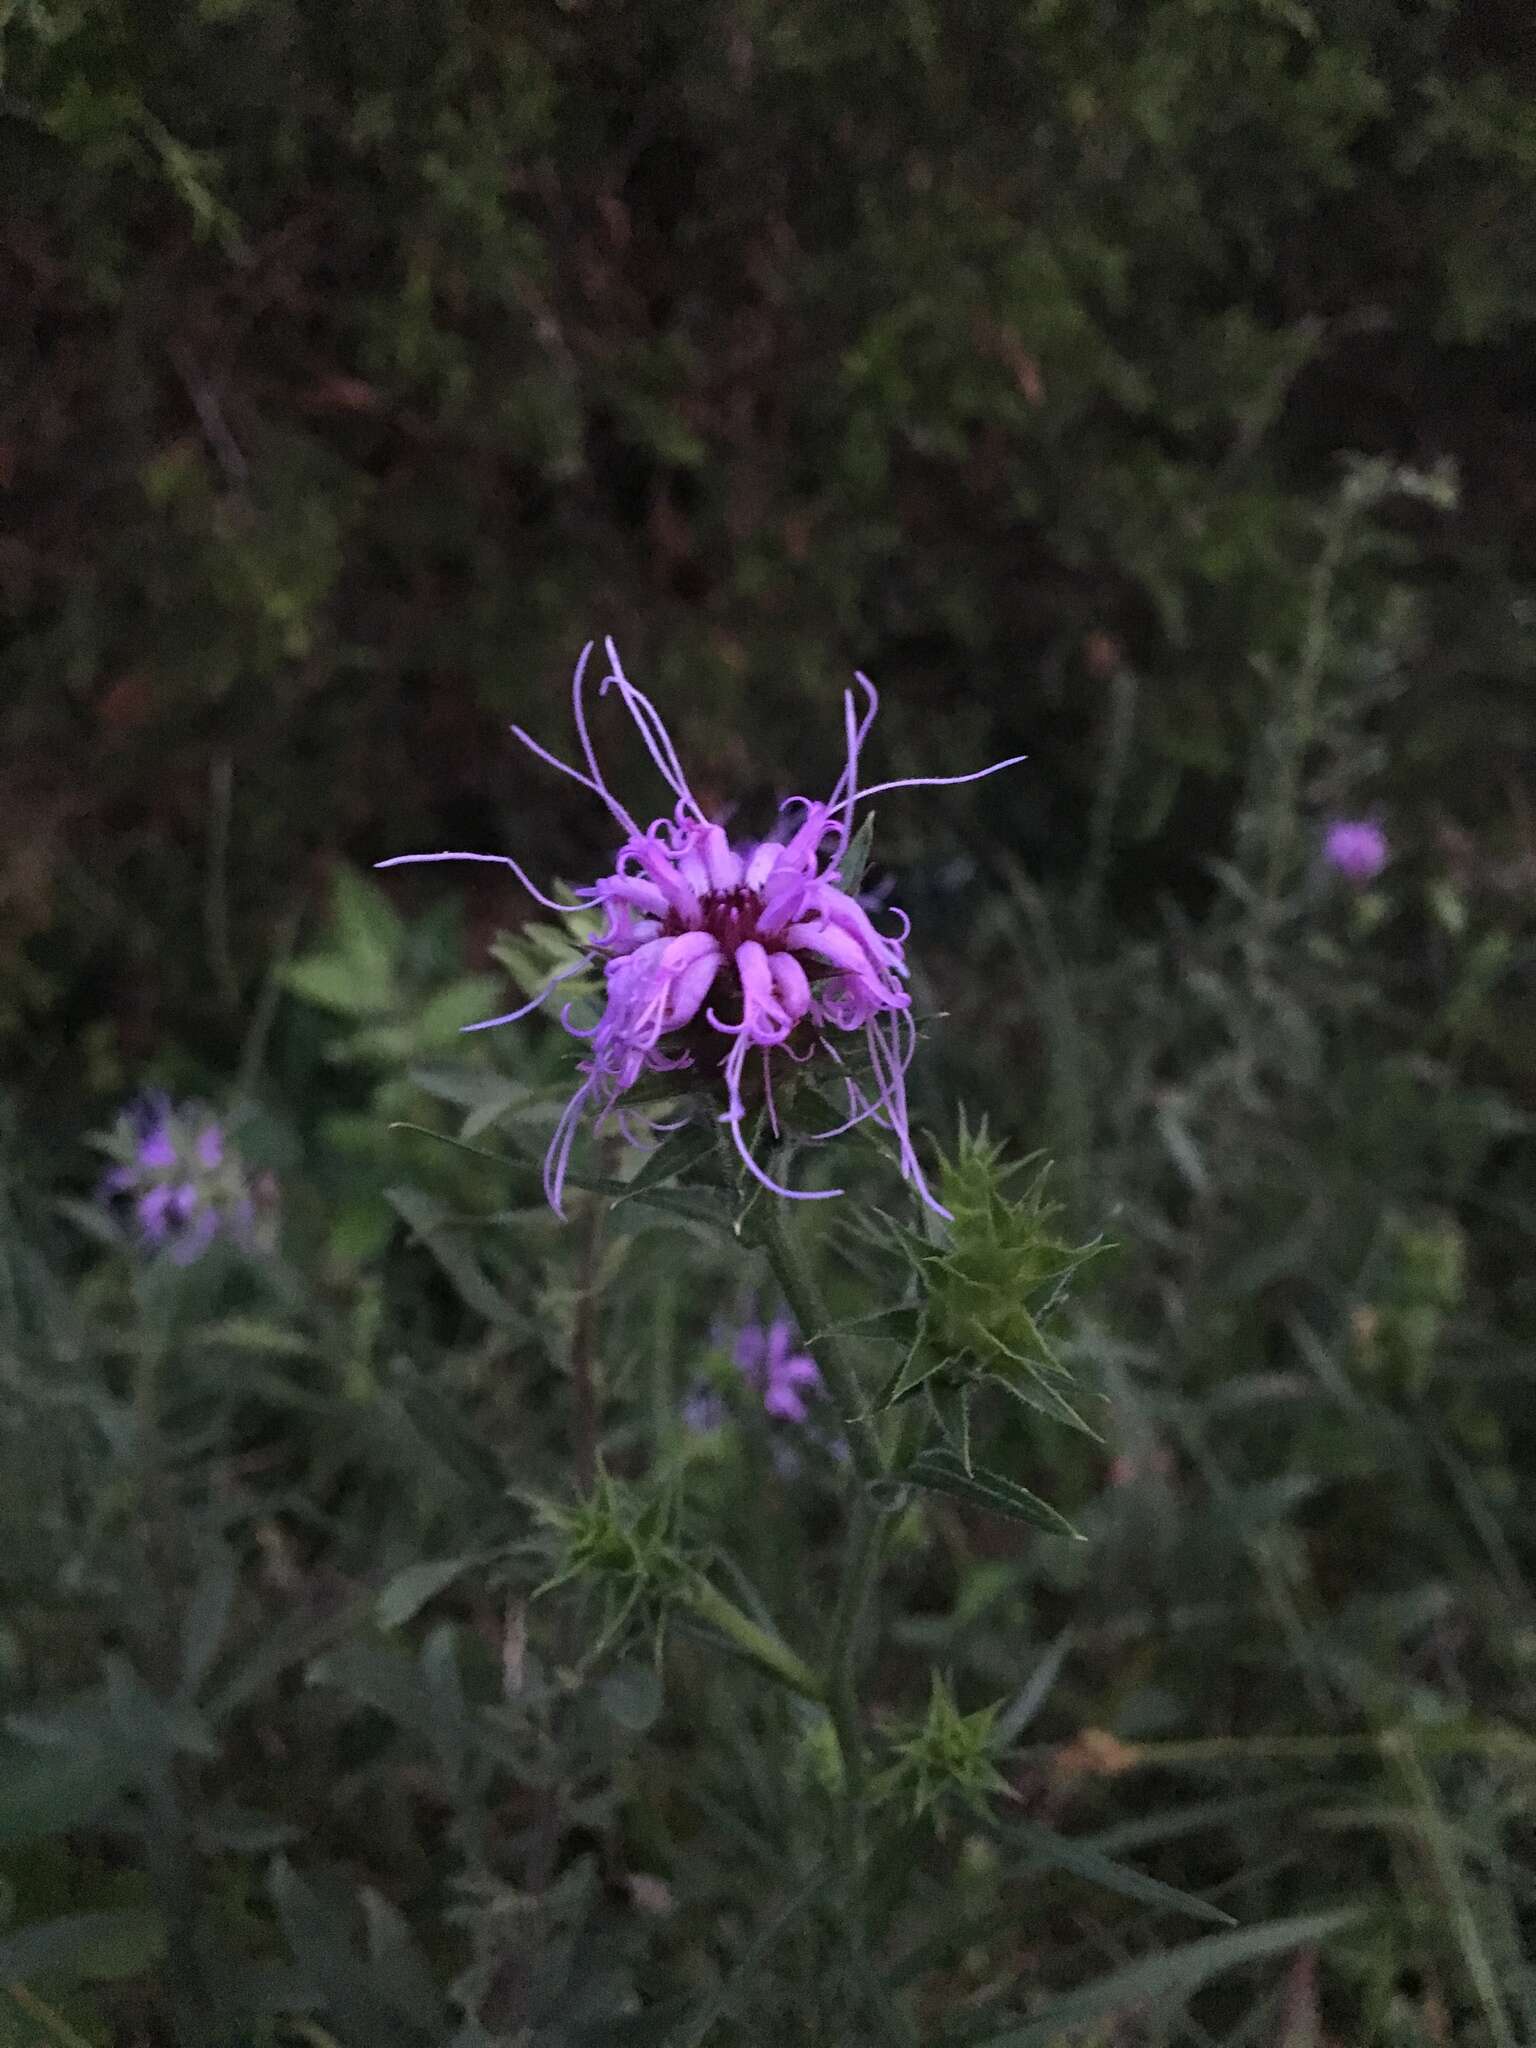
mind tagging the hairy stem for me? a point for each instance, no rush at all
(796, 1276)
(584, 1345)
(861, 1562)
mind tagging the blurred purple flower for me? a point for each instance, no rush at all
(767, 1360)
(704, 1411)
(716, 957)
(178, 1179)
(1356, 849)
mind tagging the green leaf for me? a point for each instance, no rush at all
(1050, 1851)
(364, 2000)
(915, 1370)
(368, 926)
(482, 1089)
(204, 1624)
(632, 1696)
(293, 1639)
(658, 2027)
(410, 1590)
(853, 863)
(941, 1471)
(458, 1144)
(331, 981)
(1038, 1394)
(952, 1411)
(737, 1985)
(399, 1966)
(429, 1220)
(443, 1685)
(1031, 1697)
(390, 1682)
(1172, 1973)
(445, 1014)
(83, 1948)
(48, 1792)
(250, 1333)
(153, 1729)
(677, 1154)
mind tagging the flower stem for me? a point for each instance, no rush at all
(584, 1345)
(793, 1270)
(797, 1282)
(860, 1565)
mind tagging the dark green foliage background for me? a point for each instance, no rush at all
(362, 360)
(358, 363)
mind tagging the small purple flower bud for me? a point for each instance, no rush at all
(722, 961)
(1356, 849)
(767, 1360)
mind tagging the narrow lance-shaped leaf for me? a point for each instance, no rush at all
(1166, 1975)
(1050, 1851)
(941, 1470)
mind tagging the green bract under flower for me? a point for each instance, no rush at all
(988, 1290)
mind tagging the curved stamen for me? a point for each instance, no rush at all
(588, 751)
(578, 1030)
(558, 1158)
(861, 1114)
(856, 731)
(653, 731)
(892, 1079)
(935, 781)
(734, 1115)
(499, 860)
(512, 1016)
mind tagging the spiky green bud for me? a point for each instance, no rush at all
(988, 1291)
(622, 1546)
(947, 1757)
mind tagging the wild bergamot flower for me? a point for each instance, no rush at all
(721, 959)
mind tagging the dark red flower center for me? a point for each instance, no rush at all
(730, 915)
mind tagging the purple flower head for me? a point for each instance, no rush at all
(721, 960)
(767, 1359)
(1356, 849)
(180, 1182)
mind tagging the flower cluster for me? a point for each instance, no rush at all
(182, 1182)
(721, 959)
